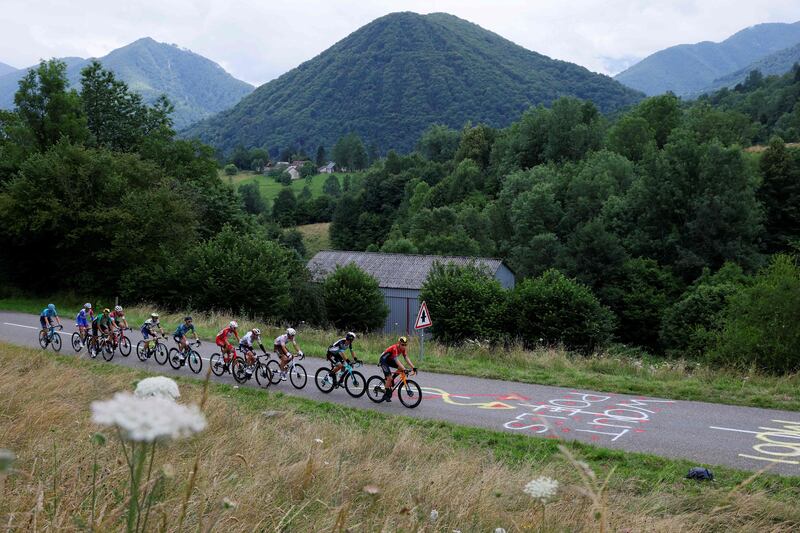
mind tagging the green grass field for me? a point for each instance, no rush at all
(270, 188)
(316, 237)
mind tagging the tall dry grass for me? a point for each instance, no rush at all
(280, 470)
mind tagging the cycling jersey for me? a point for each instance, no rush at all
(48, 313)
(81, 319)
(282, 340)
(102, 320)
(392, 352)
(117, 317)
(183, 329)
(222, 337)
(149, 327)
(248, 340)
(341, 346)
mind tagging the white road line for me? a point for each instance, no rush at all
(20, 325)
(756, 432)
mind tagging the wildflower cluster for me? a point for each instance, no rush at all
(147, 419)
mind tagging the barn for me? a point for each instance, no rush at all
(400, 277)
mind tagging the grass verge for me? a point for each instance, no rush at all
(316, 237)
(604, 372)
(291, 464)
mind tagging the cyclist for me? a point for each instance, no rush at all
(389, 360)
(180, 334)
(225, 346)
(337, 350)
(46, 317)
(246, 345)
(82, 321)
(118, 316)
(149, 330)
(283, 353)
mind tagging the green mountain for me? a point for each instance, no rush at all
(690, 68)
(6, 69)
(778, 63)
(197, 86)
(394, 77)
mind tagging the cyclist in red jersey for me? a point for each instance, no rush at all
(225, 346)
(390, 359)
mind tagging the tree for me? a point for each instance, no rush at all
(47, 107)
(331, 186)
(230, 169)
(780, 194)
(439, 143)
(353, 299)
(553, 309)
(283, 210)
(251, 199)
(349, 152)
(320, 159)
(632, 137)
(476, 144)
(308, 170)
(466, 301)
(663, 114)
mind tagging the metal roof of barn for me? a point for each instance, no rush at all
(398, 271)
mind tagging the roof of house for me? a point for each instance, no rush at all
(397, 271)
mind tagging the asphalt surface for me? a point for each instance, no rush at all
(741, 437)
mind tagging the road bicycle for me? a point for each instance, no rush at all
(180, 356)
(121, 342)
(408, 391)
(51, 338)
(157, 350)
(104, 345)
(218, 364)
(77, 342)
(242, 371)
(353, 381)
(296, 371)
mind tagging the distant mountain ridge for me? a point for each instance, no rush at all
(778, 63)
(691, 68)
(6, 69)
(392, 78)
(197, 86)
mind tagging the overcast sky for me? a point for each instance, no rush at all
(257, 40)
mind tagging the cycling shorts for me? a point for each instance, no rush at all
(44, 322)
(146, 333)
(387, 363)
(177, 338)
(81, 322)
(335, 357)
(224, 344)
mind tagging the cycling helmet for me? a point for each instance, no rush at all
(51, 307)
(106, 310)
(153, 315)
(291, 332)
(256, 331)
(87, 305)
(118, 308)
(350, 336)
(403, 340)
(187, 319)
(233, 324)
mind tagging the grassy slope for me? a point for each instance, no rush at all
(316, 237)
(472, 477)
(270, 188)
(606, 372)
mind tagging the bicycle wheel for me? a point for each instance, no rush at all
(161, 353)
(355, 384)
(376, 388)
(174, 358)
(108, 351)
(141, 351)
(324, 378)
(43, 342)
(410, 395)
(298, 376)
(195, 362)
(275, 369)
(56, 342)
(263, 376)
(124, 346)
(217, 364)
(76, 342)
(239, 370)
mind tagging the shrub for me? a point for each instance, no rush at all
(353, 300)
(760, 322)
(230, 169)
(553, 309)
(465, 303)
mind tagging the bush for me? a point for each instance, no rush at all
(230, 169)
(690, 325)
(465, 303)
(760, 323)
(353, 300)
(553, 309)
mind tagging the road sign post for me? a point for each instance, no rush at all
(423, 322)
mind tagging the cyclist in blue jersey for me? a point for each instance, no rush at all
(85, 315)
(48, 316)
(337, 350)
(182, 330)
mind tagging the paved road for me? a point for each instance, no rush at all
(741, 437)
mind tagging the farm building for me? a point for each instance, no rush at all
(400, 277)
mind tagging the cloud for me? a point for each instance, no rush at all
(258, 40)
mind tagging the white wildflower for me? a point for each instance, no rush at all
(434, 515)
(7, 458)
(542, 489)
(148, 419)
(499, 530)
(319, 441)
(157, 386)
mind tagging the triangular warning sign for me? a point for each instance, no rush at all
(423, 317)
